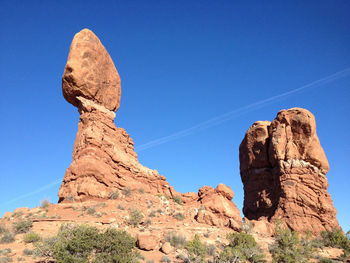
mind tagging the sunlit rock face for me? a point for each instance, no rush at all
(104, 159)
(103, 155)
(283, 169)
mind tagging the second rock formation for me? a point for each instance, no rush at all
(283, 170)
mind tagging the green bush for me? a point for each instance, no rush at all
(5, 259)
(45, 203)
(3, 229)
(177, 240)
(91, 210)
(177, 199)
(135, 217)
(114, 195)
(83, 244)
(28, 252)
(5, 251)
(179, 216)
(241, 247)
(289, 248)
(22, 226)
(7, 237)
(127, 191)
(197, 251)
(165, 259)
(141, 190)
(336, 238)
(31, 238)
(325, 260)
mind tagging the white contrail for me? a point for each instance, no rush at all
(234, 113)
(33, 193)
(209, 123)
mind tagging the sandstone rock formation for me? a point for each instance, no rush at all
(103, 155)
(283, 168)
(104, 159)
(217, 209)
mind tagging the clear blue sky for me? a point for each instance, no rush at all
(181, 63)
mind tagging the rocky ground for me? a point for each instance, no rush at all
(148, 218)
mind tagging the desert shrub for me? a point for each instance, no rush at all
(325, 260)
(152, 214)
(148, 222)
(336, 238)
(135, 217)
(150, 261)
(3, 229)
(211, 250)
(289, 248)
(44, 203)
(5, 259)
(177, 240)
(165, 259)
(20, 259)
(241, 247)
(7, 237)
(17, 214)
(91, 210)
(247, 227)
(177, 199)
(141, 190)
(83, 244)
(121, 207)
(5, 251)
(28, 252)
(22, 226)
(31, 237)
(197, 251)
(127, 191)
(114, 195)
(179, 216)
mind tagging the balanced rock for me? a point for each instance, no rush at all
(283, 169)
(103, 155)
(90, 73)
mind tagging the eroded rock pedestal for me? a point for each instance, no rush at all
(283, 170)
(103, 155)
(104, 159)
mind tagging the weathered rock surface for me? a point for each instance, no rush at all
(217, 209)
(283, 169)
(104, 159)
(90, 73)
(103, 155)
(147, 241)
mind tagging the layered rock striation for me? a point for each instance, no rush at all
(103, 155)
(283, 169)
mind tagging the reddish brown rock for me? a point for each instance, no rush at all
(103, 155)
(217, 207)
(167, 248)
(283, 170)
(147, 241)
(90, 73)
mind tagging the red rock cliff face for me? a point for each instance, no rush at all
(283, 170)
(103, 155)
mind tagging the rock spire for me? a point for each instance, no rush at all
(283, 169)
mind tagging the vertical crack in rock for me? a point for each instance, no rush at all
(283, 168)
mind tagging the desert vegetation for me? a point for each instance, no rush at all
(84, 243)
